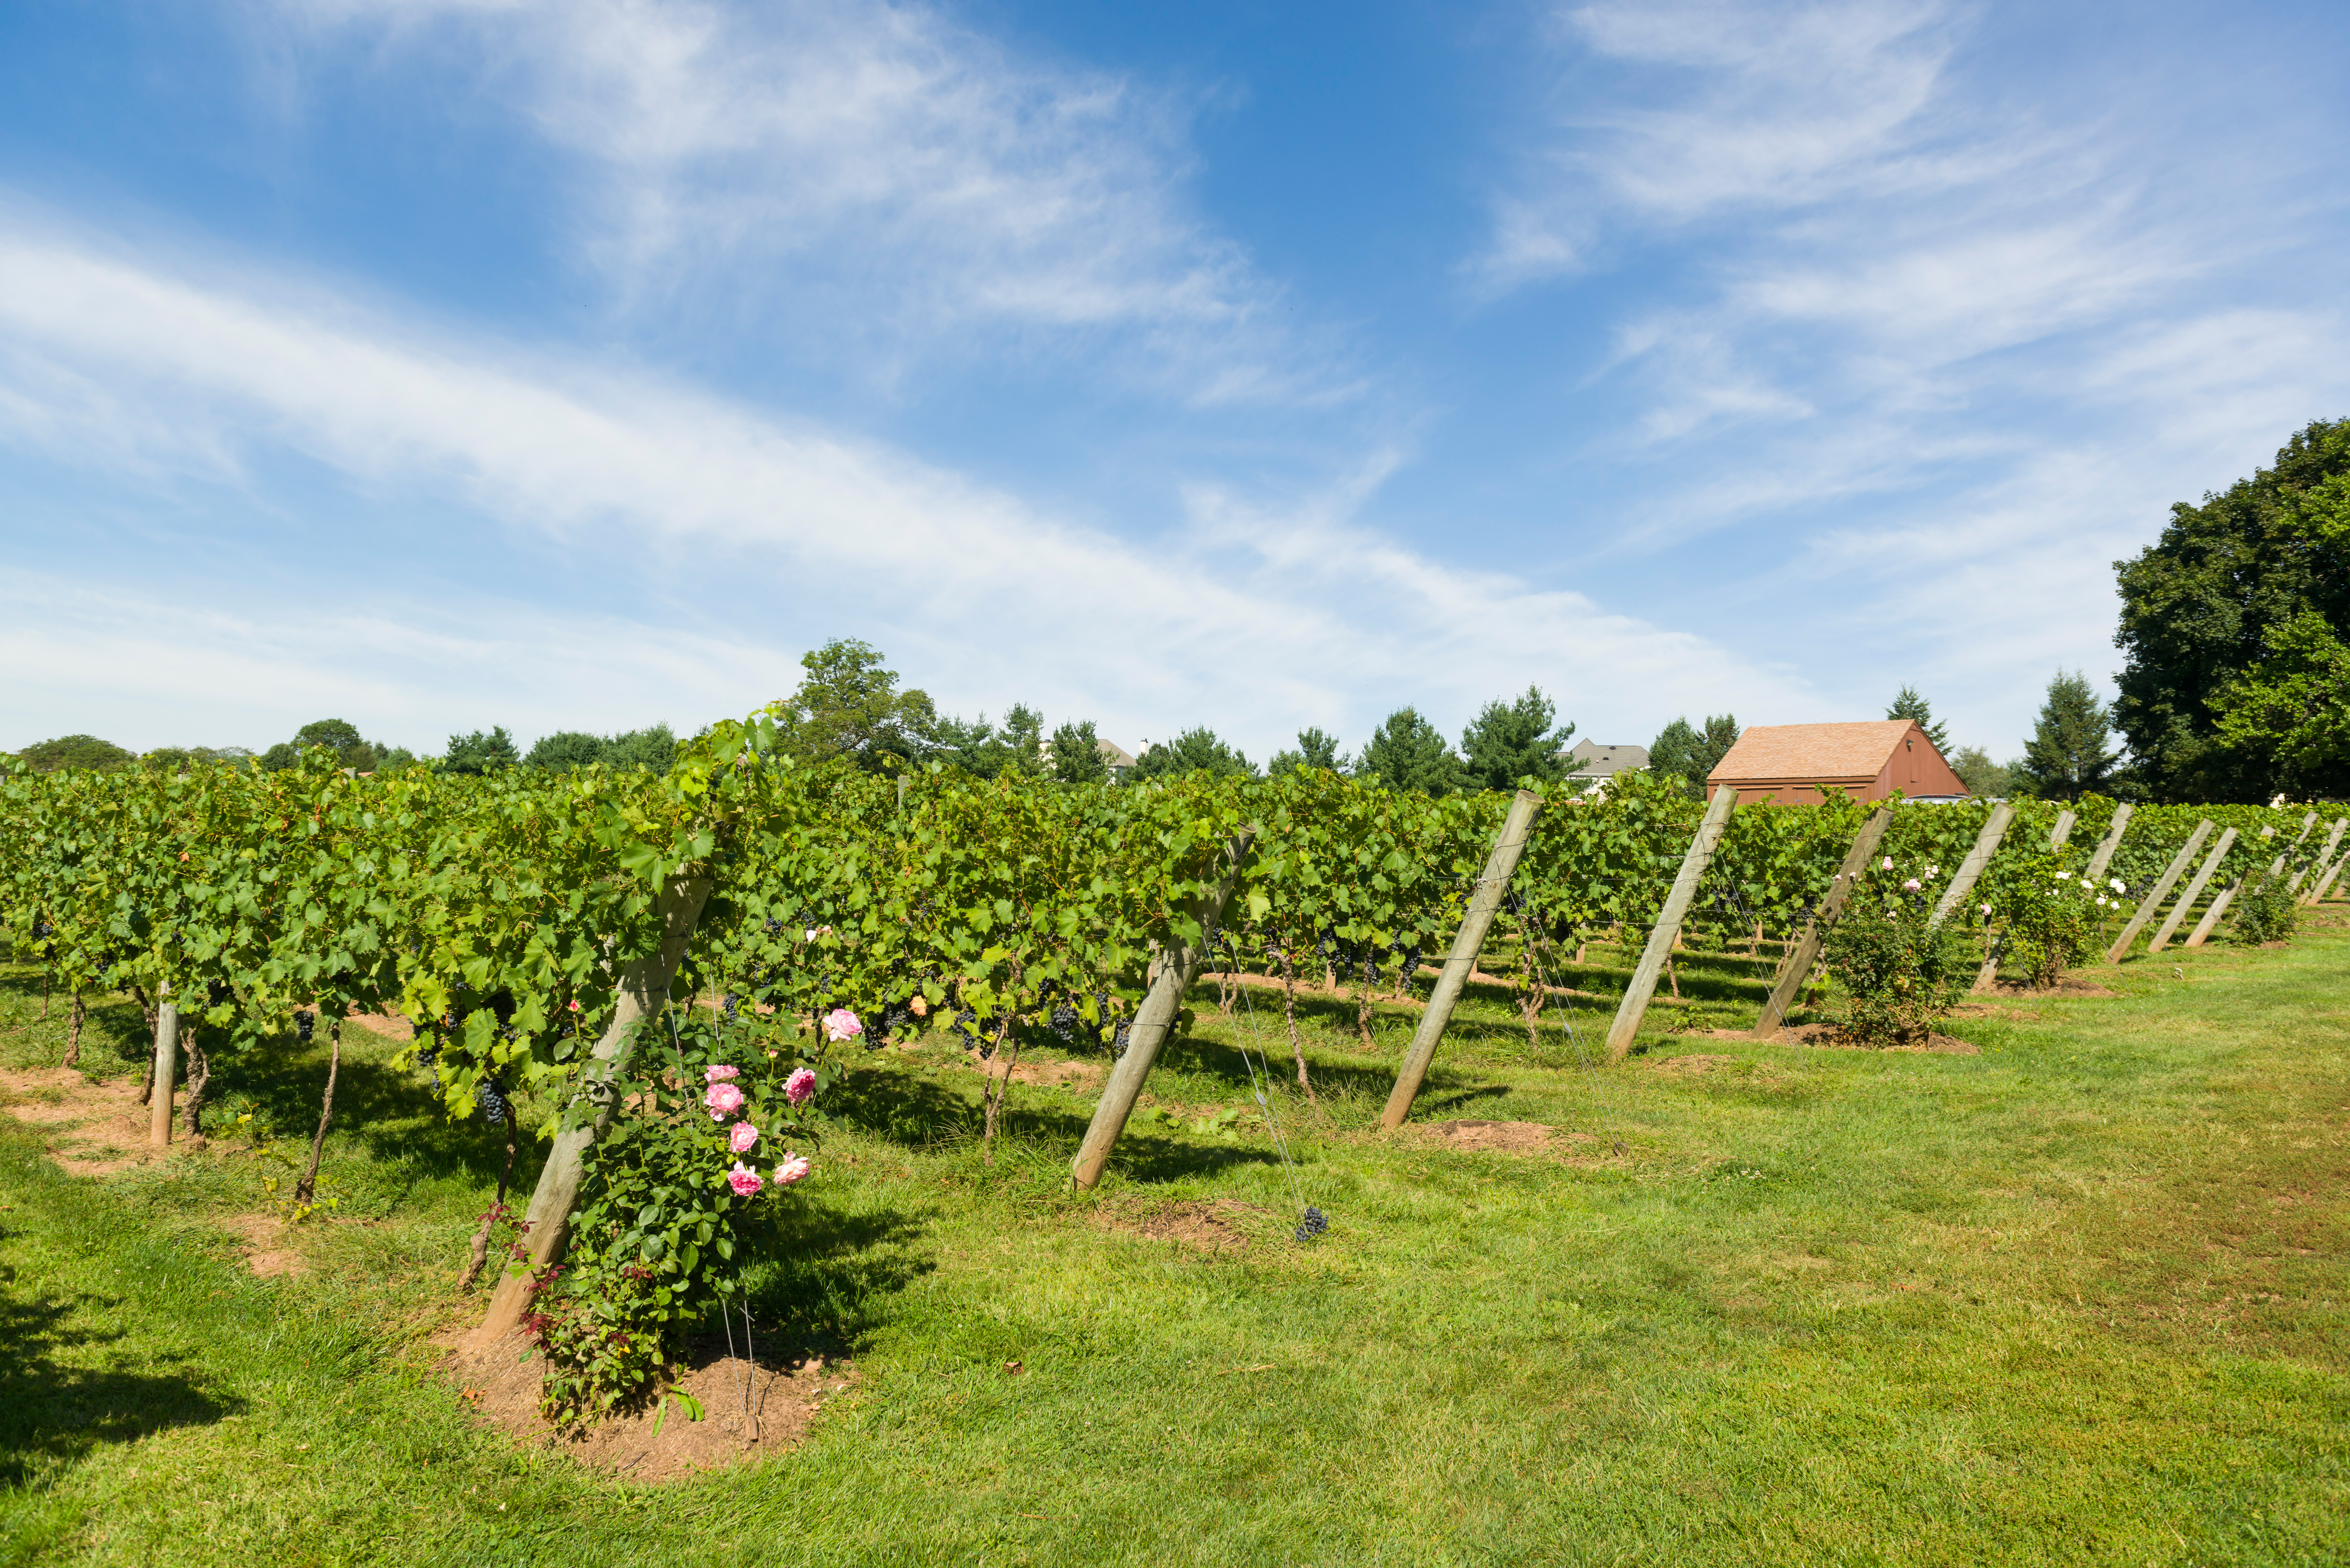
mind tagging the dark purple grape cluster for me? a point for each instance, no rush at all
(495, 1106)
(430, 1061)
(728, 1005)
(1118, 1041)
(1314, 1225)
(305, 1021)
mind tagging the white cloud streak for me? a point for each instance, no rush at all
(874, 174)
(1261, 621)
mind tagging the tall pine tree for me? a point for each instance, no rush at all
(1911, 705)
(2068, 755)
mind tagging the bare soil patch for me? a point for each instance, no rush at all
(1506, 1138)
(269, 1256)
(103, 1124)
(391, 1026)
(1202, 1225)
(660, 1442)
(1051, 1074)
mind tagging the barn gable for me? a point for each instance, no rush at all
(1868, 761)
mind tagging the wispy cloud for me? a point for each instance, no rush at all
(873, 177)
(1263, 619)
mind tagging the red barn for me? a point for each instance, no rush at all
(1869, 760)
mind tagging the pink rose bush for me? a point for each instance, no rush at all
(800, 1086)
(841, 1025)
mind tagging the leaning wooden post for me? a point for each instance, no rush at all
(166, 1067)
(1484, 904)
(2111, 842)
(2153, 900)
(1987, 977)
(2325, 860)
(1970, 869)
(1807, 947)
(2326, 882)
(1173, 971)
(643, 992)
(2194, 891)
(2210, 920)
(1635, 1005)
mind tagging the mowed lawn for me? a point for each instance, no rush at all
(2079, 1298)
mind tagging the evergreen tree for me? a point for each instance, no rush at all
(1691, 753)
(1078, 755)
(1193, 751)
(1910, 705)
(565, 749)
(1408, 752)
(1314, 750)
(2067, 755)
(1508, 743)
(481, 753)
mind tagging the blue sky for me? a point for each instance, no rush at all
(443, 363)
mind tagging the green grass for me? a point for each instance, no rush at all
(2077, 1299)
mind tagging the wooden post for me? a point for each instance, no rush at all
(1806, 950)
(1994, 829)
(643, 992)
(1154, 1022)
(1635, 1005)
(1508, 845)
(1987, 977)
(2318, 892)
(2194, 891)
(166, 1067)
(2111, 842)
(2210, 920)
(2153, 900)
(2325, 860)
(2306, 824)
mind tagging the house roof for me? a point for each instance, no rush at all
(1812, 752)
(1116, 755)
(1596, 761)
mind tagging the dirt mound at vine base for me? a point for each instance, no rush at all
(662, 1441)
(1831, 1037)
(269, 1258)
(100, 1123)
(2066, 985)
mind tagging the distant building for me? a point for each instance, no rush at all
(1868, 761)
(1595, 763)
(1118, 758)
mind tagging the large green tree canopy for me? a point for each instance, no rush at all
(2225, 694)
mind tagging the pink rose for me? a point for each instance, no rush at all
(1888, 863)
(719, 1074)
(794, 1168)
(841, 1025)
(741, 1139)
(799, 1087)
(744, 1180)
(723, 1100)
(1911, 884)
(572, 1005)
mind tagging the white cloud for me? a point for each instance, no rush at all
(873, 176)
(1314, 621)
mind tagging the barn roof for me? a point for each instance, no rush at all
(1810, 752)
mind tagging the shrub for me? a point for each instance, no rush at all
(1900, 974)
(687, 1187)
(2050, 917)
(2268, 912)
